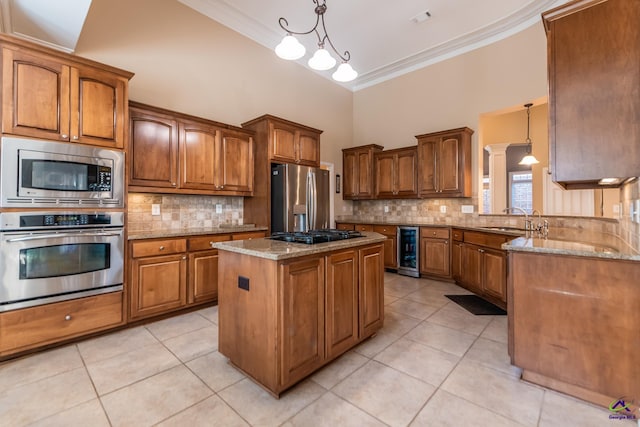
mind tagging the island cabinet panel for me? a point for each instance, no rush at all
(574, 322)
(248, 331)
(51, 95)
(371, 271)
(279, 321)
(302, 319)
(342, 302)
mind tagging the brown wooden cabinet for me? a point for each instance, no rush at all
(358, 172)
(32, 327)
(341, 314)
(390, 245)
(51, 95)
(445, 163)
(396, 173)
(457, 237)
(480, 264)
(171, 274)
(173, 152)
(435, 252)
(302, 293)
(345, 226)
(573, 323)
(282, 320)
(281, 141)
(594, 75)
(158, 277)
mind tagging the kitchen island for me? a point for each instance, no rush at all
(287, 309)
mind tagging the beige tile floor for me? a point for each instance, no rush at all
(433, 364)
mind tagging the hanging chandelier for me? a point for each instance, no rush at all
(291, 49)
(529, 159)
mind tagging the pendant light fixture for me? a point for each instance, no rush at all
(529, 159)
(291, 49)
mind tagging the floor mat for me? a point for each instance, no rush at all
(476, 305)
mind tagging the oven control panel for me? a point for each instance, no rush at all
(31, 221)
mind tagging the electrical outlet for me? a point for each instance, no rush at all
(155, 209)
(218, 208)
(386, 209)
(616, 209)
(467, 209)
(443, 208)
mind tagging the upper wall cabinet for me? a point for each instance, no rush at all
(445, 163)
(396, 173)
(56, 96)
(594, 91)
(358, 172)
(290, 142)
(171, 152)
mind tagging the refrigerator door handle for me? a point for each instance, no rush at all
(311, 201)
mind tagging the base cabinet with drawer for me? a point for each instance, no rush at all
(435, 252)
(390, 245)
(479, 264)
(171, 274)
(33, 327)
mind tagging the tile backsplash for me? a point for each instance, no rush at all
(179, 212)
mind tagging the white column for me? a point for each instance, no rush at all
(498, 176)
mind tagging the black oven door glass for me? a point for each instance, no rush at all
(65, 176)
(64, 260)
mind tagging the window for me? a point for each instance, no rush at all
(521, 190)
(486, 195)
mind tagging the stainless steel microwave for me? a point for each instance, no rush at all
(37, 173)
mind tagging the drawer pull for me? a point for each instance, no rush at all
(184, 257)
(161, 248)
(434, 233)
(211, 244)
(67, 317)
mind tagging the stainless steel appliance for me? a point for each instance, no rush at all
(56, 256)
(315, 236)
(299, 198)
(36, 173)
(408, 251)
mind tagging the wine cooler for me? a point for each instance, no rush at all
(408, 248)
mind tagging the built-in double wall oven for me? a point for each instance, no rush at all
(74, 247)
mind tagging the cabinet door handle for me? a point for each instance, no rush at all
(67, 317)
(173, 183)
(481, 251)
(64, 136)
(211, 244)
(75, 137)
(161, 248)
(446, 242)
(184, 257)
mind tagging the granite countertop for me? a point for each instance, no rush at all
(225, 229)
(571, 247)
(277, 250)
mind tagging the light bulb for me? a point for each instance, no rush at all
(290, 48)
(322, 60)
(344, 73)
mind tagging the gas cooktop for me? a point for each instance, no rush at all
(315, 236)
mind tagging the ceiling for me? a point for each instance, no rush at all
(383, 40)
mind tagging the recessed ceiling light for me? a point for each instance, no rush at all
(421, 17)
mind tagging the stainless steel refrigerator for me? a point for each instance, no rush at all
(299, 198)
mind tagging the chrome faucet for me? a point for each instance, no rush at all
(528, 225)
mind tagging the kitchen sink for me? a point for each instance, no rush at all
(509, 229)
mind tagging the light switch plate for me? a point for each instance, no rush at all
(155, 209)
(467, 208)
(218, 208)
(443, 208)
(637, 210)
(386, 209)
